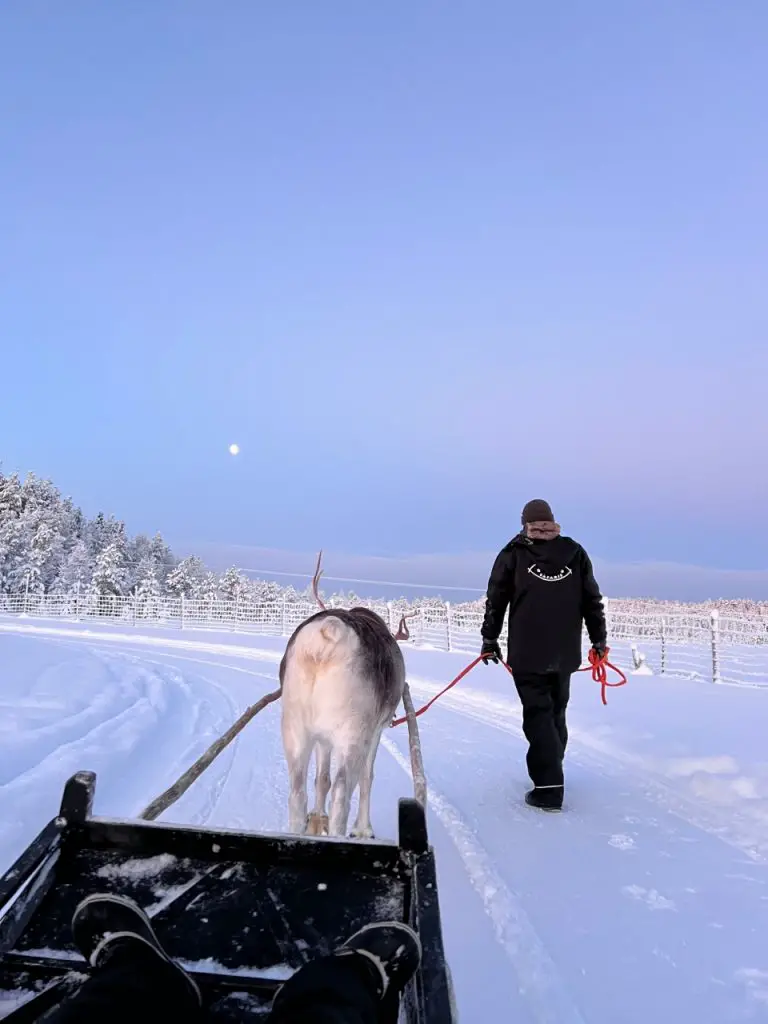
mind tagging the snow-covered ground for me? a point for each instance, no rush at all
(646, 900)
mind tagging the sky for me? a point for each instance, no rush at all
(421, 261)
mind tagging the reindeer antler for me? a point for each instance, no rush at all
(403, 633)
(316, 580)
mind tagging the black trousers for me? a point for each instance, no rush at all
(545, 699)
(137, 986)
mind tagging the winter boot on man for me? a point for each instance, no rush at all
(545, 798)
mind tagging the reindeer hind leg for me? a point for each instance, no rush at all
(362, 828)
(318, 818)
(349, 765)
(298, 749)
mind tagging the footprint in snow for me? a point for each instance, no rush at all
(621, 842)
(651, 897)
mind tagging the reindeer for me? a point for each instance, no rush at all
(342, 678)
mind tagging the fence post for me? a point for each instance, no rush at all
(135, 606)
(715, 630)
(237, 611)
(181, 614)
(422, 624)
(448, 625)
(284, 621)
(77, 601)
(663, 646)
(390, 617)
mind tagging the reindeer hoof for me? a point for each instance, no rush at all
(317, 824)
(362, 833)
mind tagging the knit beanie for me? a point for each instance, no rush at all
(537, 511)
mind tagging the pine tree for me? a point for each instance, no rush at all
(109, 572)
(233, 584)
(76, 570)
(163, 558)
(103, 531)
(10, 497)
(147, 595)
(185, 578)
(207, 589)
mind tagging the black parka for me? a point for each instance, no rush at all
(551, 592)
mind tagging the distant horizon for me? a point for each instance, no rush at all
(466, 573)
(460, 575)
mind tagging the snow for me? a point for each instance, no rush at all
(138, 867)
(646, 899)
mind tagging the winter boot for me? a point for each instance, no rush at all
(393, 948)
(104, 924)
(545, 798)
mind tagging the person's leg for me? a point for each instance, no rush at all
(561, 694)
(132, 976)
(359, 983)
(545, 746)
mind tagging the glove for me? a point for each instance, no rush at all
(490, 651)
(600, 649)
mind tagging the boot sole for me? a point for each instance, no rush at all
(544, 810)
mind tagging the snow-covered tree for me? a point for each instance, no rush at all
(147, 594)
(186, 577)
(266, 591)
(10, 497)
(207, 589)
(76, 570)
(163, 558)
(109, 572)
(35, 522)
(103, 531)
(233, 584)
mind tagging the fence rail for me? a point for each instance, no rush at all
(699, 646)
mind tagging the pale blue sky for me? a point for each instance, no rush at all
(421, 261)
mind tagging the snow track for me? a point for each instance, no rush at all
(538, 979)
(747, 832)
(647, 899)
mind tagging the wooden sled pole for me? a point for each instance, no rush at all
(414, 742)
(174, 792)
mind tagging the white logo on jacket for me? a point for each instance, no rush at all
(564, 573)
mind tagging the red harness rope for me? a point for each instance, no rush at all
(598, 665)
(600, 668)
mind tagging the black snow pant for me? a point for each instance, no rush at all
(545, 699)
(137, 986)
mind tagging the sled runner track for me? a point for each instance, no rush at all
(144, 640)
(749, 837)
(539, 981)
(111, 649)
(123, 708)
(109, 653)
(218, 787)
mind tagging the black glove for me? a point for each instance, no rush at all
(490, 651)
(600, 649)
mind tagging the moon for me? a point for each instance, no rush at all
(234, 449)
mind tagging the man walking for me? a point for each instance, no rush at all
(548, 584)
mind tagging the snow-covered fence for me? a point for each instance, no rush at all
(702, 645)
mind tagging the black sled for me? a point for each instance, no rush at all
(238, 910)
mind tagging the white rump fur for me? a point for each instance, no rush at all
(331, 704)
